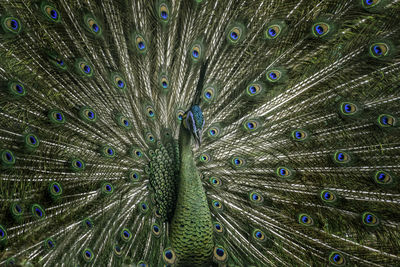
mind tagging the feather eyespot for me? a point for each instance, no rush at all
(56, 117)
(16, 88)
(117, 250)
(49, 243)
(92, 25)
(209, 94)
(7, 158)
(50, 12)
(31, 142)
(348, 108)
(55, 189)
(336, 258)
(379, 50)
(156, 230)
(238, 162)
(107, 188)
(150, 111)
(274, 75)
(11, 25)
(273, 31)
(256, 197)
(258, 235)
(215, 181)
(299, 135)
(118, 81)
(217, 205)
(150, 137)
(218, 228)
(87, 255)
(16, 210)
(370, 219)
(107, 151)
(328, 196)
(140, 43)
(164, 83)
(284, 172)
(143, 207)
(382, 177)
(214, 131)
(87, 223)
(87, 114)
(163, 12)
(77, 164)
(341, 157)
(123, 121)
(196, 52)
(169, 256)
(37, 211)
(179, 115)
(305, 220)
(320, 29)
(251, 125)
(370, 3)
(254, 89)
(387, 121)
(220, 254)
(126, 235)
(204, 157)
(235, 34)
(3, 233)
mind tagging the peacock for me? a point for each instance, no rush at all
(199, 133)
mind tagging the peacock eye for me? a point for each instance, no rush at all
(49, 243)
(218, 227)
(11, 25)
(179, 115)
(273, 75)
(150, 137)
(217, 205)
(93, 25)
(87, 114)
(87, 255)
(16, 88)
(37, 211)
(382, 177)
(273, 31)
(56, 117)
(196, 52)
(348, 108)
(370, 219)
(213, 132)
(50, 12)
(235, 34)
(55, 189)
(204, 157)
(320, 29)
(251, 125)
(370, 3)
(220, 253)
(140, 44)
(164, 83)
(126, 234)
(379, 50)
(209, 94)
(283, 172)
(299, 135)
(305, 220)
(150, 111)
(117, 250)
(107, 152)
(156, 230)
(118, 81)
(253, 89)
(163, 12)
(3, 234)
(169, 256)
(238, 162)
(328, 196)
(77, 164)
(256, 197)
(215, 181)
(258, 235)
(341, 157)
(336, 258)
(386, 121)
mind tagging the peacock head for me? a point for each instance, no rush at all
(193, 121)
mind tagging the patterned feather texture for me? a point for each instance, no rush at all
(199, 133)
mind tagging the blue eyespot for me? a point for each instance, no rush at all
(90, 115)
(126, 123)
(120, 84)
(273, 75)
(95, 27)
(220, 252)
(234, 35)
(141, 45)
(59, 117)
(86, 68)
(378, 50)
(164, 15)
(19, 88)
(14, 24)
(53, 14)
(272, 32)
(195, 54)
(319, 29)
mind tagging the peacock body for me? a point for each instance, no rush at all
(199, 133)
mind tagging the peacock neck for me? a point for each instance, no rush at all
(191, 227)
